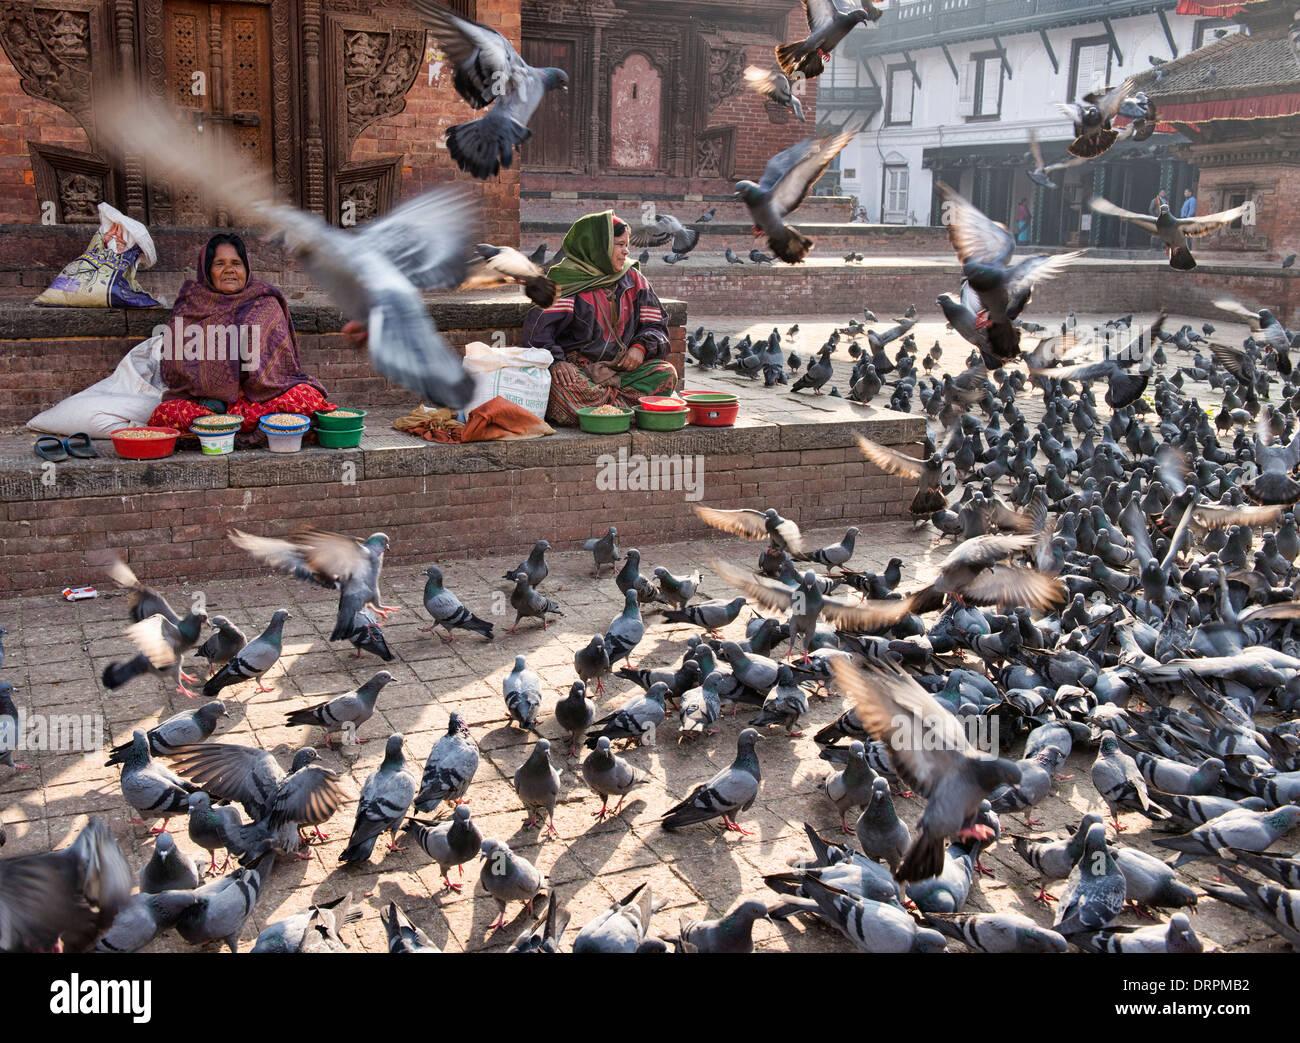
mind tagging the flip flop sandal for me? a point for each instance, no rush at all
(49, 448)
(79, 445)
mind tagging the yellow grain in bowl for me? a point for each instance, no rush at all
(607, 411)
(145, 434)
(340, 413)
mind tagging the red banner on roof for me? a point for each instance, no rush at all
(1192, 7)
(1264, 107)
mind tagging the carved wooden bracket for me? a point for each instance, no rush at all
(377, 66)
(53, 48)
(75, 182)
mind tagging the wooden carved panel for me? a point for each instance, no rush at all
(379, 67)
(75, 182)
(52, 50)
(726, 73)
(715, 152)
(367, 190)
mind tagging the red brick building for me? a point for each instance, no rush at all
(658, 104)
(339, 99)
(1237, 100)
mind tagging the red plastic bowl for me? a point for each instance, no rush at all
(662, 403)
(144, 448)
(707, 414)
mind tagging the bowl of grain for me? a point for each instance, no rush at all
(605, 420)
(341, 419)
(145, 443)
(284, 431)
(216, 433)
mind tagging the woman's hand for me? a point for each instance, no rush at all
(565, 374)
(635, 357)
(356, 334)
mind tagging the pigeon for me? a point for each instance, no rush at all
(625, 630)
(9, 730)
(451, 767)
(222, 827)
(872, 926)
(755, 525)
(162, 646)
(819, 371)
(666, 229)
(450, 843)
(345, 713)
(604, 550)
(369, 637)
(643, 258)
(784, 705)
(929, 750)
(1035, 783)
(144, 601)
(638, 718)
(852, 786)
(1245, 829)
(1288, 260)
(1176, 936)
(508, 877)
(1172, 231)
(1095, 890)
(775, 85)
(785, 182)
(546, 934)
(403, 936)
(731, 790)
(534, 566)
(148, 786)
(1092, 116)
(1115, 775)
(253, 660)
(224, 905)
(183, 729)
(677, 590)
(997, 932)
(591, 663)
(1150, 882)
(829, 22)
(711, 615)
(527, 602)
(307, 795)
(1276, 906)
(342, 563)
(731, 257)
(522, 689)
(168, 869)
(629, 578)
(758, 257)
(880, 832)
(374, 273)
(504, 265)
(622, 927)
(1038, 173)
(65, 899)
(732, 933)
(384, 799)
(701, 707)
(314, 930)
(575, 712)
(446, 610)
(489, 72)
(929, 491)
(608, 774)
(222, 645)
(538, 785)
(144, 919)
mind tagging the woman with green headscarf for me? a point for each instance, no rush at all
(606, 328)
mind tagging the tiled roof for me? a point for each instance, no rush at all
(1242, 65)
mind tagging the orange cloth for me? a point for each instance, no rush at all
(497, 418)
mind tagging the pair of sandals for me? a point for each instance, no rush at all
(56, 450)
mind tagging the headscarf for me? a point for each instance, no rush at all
(588, 262)
(258, 306)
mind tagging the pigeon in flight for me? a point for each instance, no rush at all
(1172, 231)
(1092, 116)
(775, 85)
(489, 71)
(829, 22)
(501, 265)
(663, 229)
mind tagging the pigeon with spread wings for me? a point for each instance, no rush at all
(1172, 231)
(374, 273)
(929, 750)
(501, 265)
(1092, 116)
(984, 247)
(755, 525)
(1038, 174)
(664, 229)
(829, 22)
(342, 563)
(786, 180)
(1265, 322)
(775, 85)
(489, 71)
(929, 491)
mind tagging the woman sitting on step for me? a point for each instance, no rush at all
(250, 367)
(607, 330)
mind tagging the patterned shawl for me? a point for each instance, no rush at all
(263, 314)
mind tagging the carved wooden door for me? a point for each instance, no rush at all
(551, 146)
(218, 67)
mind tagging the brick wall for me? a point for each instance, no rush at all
(417, 133)
(434, 502)
(1276, 190)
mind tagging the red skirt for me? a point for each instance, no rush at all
(180, 413)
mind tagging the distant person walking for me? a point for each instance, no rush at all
(1022, 221)
(1161, 200)
(1189, 204)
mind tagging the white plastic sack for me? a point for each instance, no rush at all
(520, 375)
(126, 398)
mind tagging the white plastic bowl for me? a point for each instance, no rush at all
(284, 441)
(217, 444)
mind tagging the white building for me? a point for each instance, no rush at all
(958, 85)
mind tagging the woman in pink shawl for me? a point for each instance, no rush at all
(250, 367)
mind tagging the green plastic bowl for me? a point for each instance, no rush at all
(339, 439)
(342, 423)
(709, 398)
(661, 419)
(604, 425)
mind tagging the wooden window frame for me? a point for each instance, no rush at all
(889, 96)
(1078, 44)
